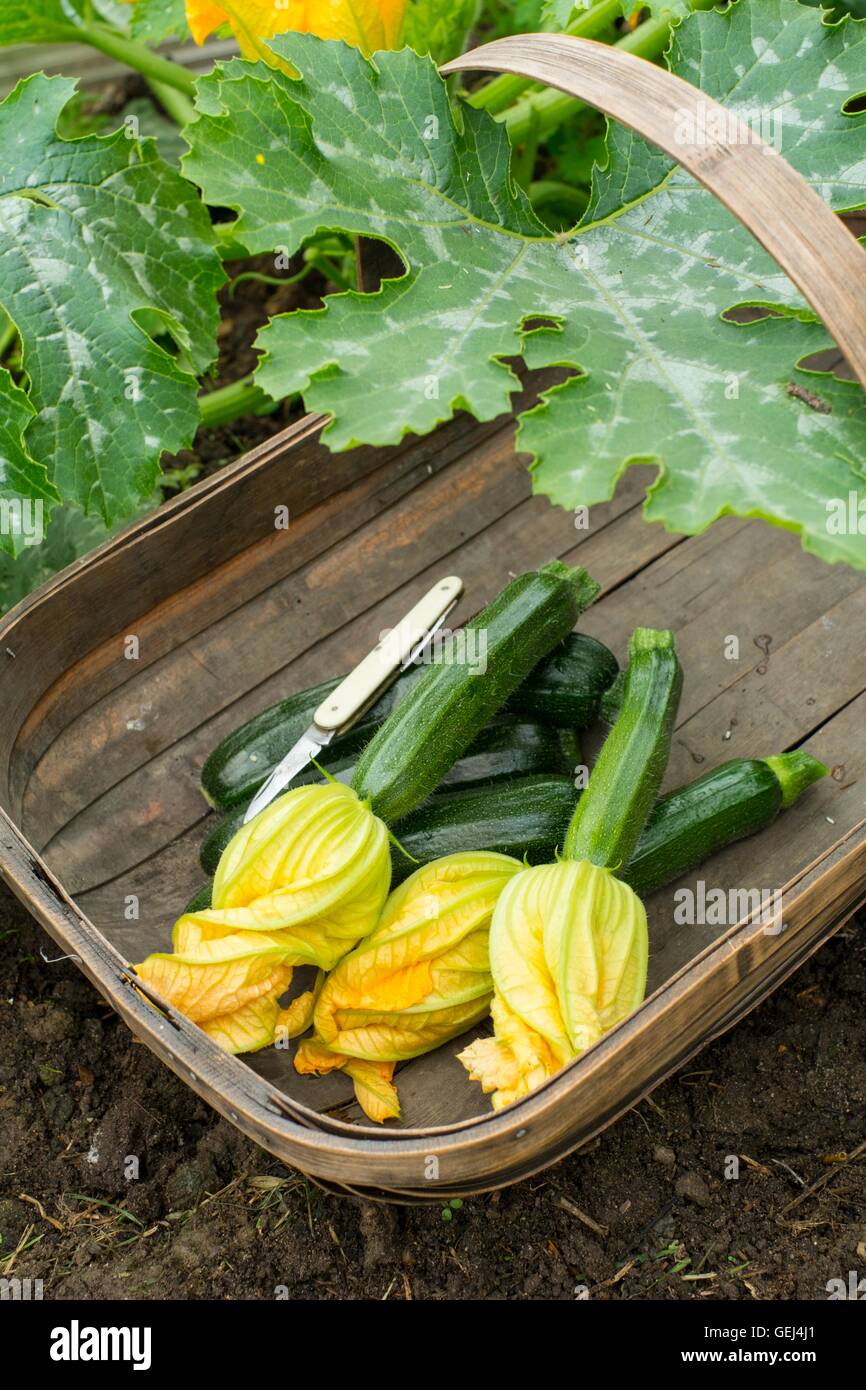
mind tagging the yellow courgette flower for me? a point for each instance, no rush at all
(568, 954)
(314, 866)
(420, 978)
(227, 983)
(366, 24)
(299, 885)
(374, 1089)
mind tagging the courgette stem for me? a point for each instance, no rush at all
(175, 104)
(795, 772)
(135, 55)
(502, 91)
(543, 111)
(227, 403)
(625, 781)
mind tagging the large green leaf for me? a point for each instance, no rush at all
(33, 21)
(25, 492)
(439, 27)
(635, 296)
(103, 249)
(155, 20)
(53, 21)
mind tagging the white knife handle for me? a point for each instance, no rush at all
(384, 661)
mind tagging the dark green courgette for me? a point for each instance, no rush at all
(530, 816)
(527, 817)
(567, 687)
(452, 701)
(201, 898)
(507, 748)
(735, 800)
(625, 781)
(563, 689)
(236, 769)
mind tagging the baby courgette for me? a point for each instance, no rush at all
(733, 801)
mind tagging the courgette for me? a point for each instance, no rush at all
(527, 818)
(452, 701)
(239, 765)
(567, 688)
(508, 748)
(564, 689)
(694, 822)
(201, 899)
(624, 783)
(530, 815)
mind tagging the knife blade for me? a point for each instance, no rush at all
(363, 686)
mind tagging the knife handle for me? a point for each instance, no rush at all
(381, 666)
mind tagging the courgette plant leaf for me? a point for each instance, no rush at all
(26, 494)
(152, 21)
(855, 7)
(439, 27)
(635, 296)
(53, 21)
(103, 248)
(556, 15)
(33, 21)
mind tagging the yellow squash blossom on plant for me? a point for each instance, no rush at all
(301, 884)
(366, 24)
(421, 978)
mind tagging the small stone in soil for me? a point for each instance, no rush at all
(693, 1188)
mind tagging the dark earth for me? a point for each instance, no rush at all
(647, 1211)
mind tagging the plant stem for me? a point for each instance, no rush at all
(230, 402)
(544, 111)
(504, 90)
(332, 272)
(8, 334)
(136, 55)
(173, 102)
(550, 193)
